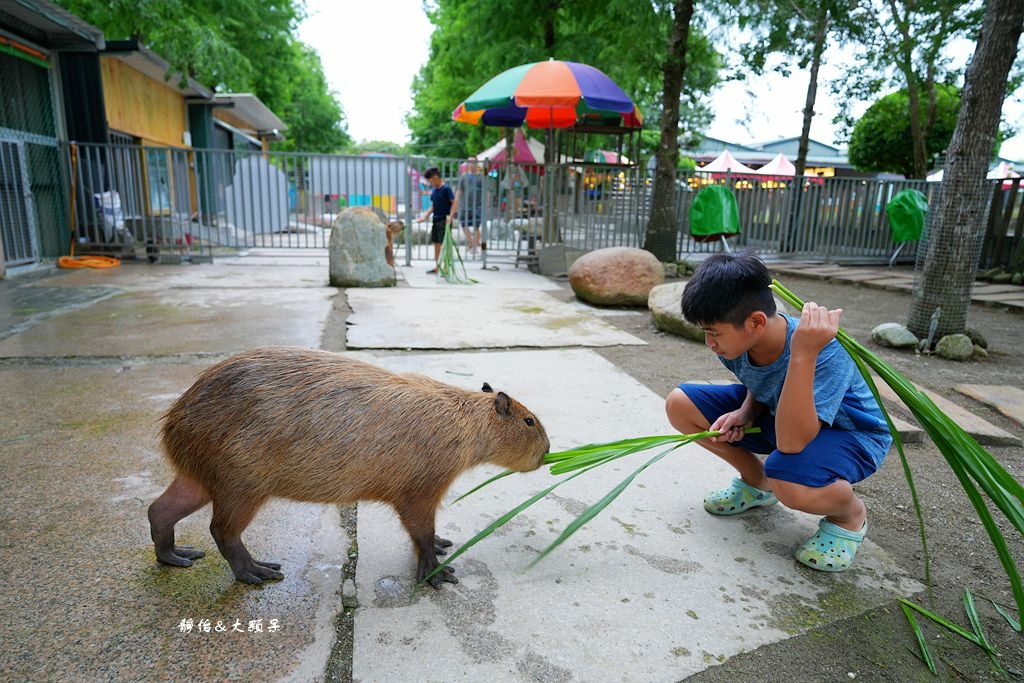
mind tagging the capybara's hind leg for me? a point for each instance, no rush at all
(418, 519)
(181, 499)
(231, 515)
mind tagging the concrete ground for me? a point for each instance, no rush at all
(653, 589)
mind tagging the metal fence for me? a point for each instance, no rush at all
(169, 204)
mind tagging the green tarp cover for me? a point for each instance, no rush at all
(906, 212)
(714, 212)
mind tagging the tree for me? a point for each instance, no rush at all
(882, 139)
(237, 45)
(952, 244)
(661, 229)
(801, 30)
(905, 42)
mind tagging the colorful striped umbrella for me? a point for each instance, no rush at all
(551, 94)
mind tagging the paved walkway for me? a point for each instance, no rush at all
(898, 279)
(653, 589)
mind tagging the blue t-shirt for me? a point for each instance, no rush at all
(842, 398)
(441, 199)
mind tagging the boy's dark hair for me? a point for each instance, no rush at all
(726, 288)
(431, 172)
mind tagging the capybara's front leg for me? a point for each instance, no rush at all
(418, 519)
(182, 498)
(230, 517)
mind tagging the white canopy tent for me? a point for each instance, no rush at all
(779, 166)
(726, 163)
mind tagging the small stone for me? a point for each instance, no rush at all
(348, 593)
(1017, 278)
(894, 336)
(671, 270)
(955, 347)
(851, 675)
(980, 352)
(977, 338)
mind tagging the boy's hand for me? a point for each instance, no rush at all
(731, 426)
(817, 327)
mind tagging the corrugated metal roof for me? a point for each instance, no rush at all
(49, 25)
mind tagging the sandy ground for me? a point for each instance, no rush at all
(879, 645)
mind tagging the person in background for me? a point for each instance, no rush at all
(469, 205)
(441, 200)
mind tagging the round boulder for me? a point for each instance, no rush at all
(955, 347)
(666, 304)
(894, 336)
(616, 276)
(356, 251)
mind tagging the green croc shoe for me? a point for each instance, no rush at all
(737, 497)
(832, 549)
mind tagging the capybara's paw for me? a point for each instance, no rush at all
(440, 544)
(188, 552)
(181, 556)
(257, 572)
(446, 575)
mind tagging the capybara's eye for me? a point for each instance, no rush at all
(528, 421)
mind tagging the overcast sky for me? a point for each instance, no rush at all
(372, 49)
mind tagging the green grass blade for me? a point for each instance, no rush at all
(600, 505)
(972, 616)
(925, 654)
(941, 621)
(623, 443)
(480, 486)
(1014, 623)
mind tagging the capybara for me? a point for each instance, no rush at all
(323, 427)
(393, 228)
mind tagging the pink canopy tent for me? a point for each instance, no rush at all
(779, 166)
(726, 163)
(524, 151)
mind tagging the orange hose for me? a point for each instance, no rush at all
(88, 262)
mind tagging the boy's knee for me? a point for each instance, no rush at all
(680, 409)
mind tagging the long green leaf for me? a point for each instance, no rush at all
(500, 522)
(942, 621)
(600, 505)
(925, 653)
(1014, 623)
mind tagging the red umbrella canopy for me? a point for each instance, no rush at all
(551, 94)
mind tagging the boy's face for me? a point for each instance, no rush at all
(435, 181)
(728, 340)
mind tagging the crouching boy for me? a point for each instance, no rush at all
(821, 427)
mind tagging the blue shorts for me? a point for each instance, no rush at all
(832, 455)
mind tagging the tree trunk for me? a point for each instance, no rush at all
(812, 91)
(948, 256)
(661, 228)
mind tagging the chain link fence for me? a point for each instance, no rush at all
(33, 199)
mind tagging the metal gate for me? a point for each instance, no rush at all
(17, 217)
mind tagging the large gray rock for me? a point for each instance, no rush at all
(895, 336)
(616, 276)
(955, 347)
(666, 304)
(977, 338)
(357, 251)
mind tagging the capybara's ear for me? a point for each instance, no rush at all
(503, 404)
(487, 388)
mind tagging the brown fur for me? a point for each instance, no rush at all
(322, 427)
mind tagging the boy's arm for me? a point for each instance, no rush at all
(796, 418)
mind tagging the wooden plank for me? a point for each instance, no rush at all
(997, 289)
(982, 430)
(1006, 399)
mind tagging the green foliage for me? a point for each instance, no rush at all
(881, 139)
(474, 41)
(234, 46)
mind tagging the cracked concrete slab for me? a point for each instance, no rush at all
(501, 277)
(178, 321)
(86, 598)
(459, 317)
(652, 589)
(138, 277)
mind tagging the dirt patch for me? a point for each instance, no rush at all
(879, 645)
